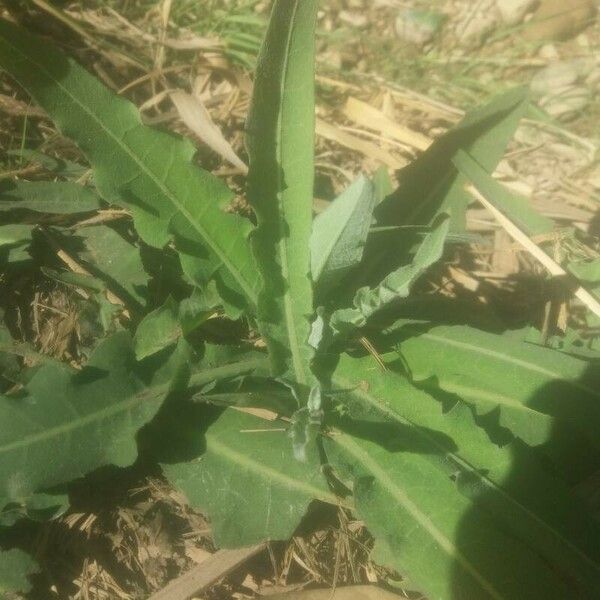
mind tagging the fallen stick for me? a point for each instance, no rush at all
(549, 263)
(198, 578)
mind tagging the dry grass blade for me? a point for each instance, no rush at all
(368, 116)
(368, 149)
(211, 570)
(550, 264)
(195, 116)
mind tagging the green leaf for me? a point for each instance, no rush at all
(395, 286)
(412, 507)
(515, 207)
(79, 280)
(382, 184)
(116, 261)
(15, 235)
(15, 568)
(81, 421)
(525, 384)
(39, 507)
(14, 243)
(431, 184)
(158, 330)
(54, 197)
(58, 166)
(248, 480)
(196, 309)
(588, 273)
(340, 232)
(147, 171)
(280, 145)
(442, 498)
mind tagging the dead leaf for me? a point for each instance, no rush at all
(335, 134)
(368, 116)
(194, 114)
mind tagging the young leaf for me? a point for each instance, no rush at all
(280, 144)
(502, 488)
(339, 233)
(53, 197)
(525, 384)
(15, 568)
(516, 208)
(395, 286)
(158, 330)
(147, 171)
(248, 480)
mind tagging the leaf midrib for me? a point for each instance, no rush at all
(260, 469)
(507, 358)
(247, 287)
(488, 483)
(442, 540)
(140, 396)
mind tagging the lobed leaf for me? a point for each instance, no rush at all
(147, 171)
(82, 420)
(248, 480)
(280, 142)
(411, 505)
(465, 512)
(15, 235)
(14, 243)
(158, 330)
(532, 389)
(115, 261)
(431, 184)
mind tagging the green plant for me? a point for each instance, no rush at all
(459, 461)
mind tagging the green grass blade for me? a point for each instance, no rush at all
(280, 143)
(147, 171)
(516, 208)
